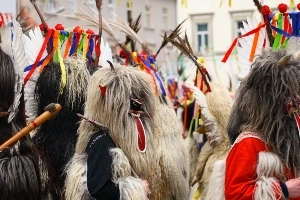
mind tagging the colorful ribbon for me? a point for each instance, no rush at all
(227, 54)
(38, 58)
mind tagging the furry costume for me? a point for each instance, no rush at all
(215, 110)
(113, 112)
(156, 164)
(56, 140)
(270, 135)
(19, 172)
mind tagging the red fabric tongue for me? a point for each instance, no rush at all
(297, 118)
(141, 135)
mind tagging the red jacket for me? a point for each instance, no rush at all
(240, 173)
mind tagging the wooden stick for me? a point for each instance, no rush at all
(51, 110)
(268, 28)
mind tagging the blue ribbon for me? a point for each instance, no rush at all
(73, 46)
(30, 66)
(91, 48)
(295, 21)
(281, 32)
(148, 65)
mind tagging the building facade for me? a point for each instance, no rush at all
(211, 30)
(158, 17)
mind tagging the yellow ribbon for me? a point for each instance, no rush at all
(229, 3)
(201, 61)
(197, 194)
(85, 46)
(119, 2)
(184, 3)
(62, 68)
(129, 3)
(292, 4)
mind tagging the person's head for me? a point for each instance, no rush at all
(261, 105)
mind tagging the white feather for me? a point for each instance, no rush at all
(246, 43)
(106, 54)
(33, 45)
(13, 45)
(209, 121)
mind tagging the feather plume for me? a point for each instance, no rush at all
(209, 121)
(244, 50)
(135, 26)
(173, 35)
(33, 45)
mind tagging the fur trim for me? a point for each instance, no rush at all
(120, 165)
(216, 186)
(76, 179)
(132, 189)
(269, 166)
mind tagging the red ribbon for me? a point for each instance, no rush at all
(229, 51)
(38, 58)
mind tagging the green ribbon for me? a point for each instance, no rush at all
(277, 41)
(80, 46)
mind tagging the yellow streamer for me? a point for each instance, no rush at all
(197, 195)
(184, 3)
(119, 2)
(229, 3)
(292, 4)
(85, 46)
(129, 2)
(62, 68)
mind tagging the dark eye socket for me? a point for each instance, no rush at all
(135, 104)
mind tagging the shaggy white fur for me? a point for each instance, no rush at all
(120, 165)
(216, 186)
(269, 166)
(132, 189)
(76, 179)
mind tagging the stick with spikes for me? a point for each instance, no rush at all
(173, 34)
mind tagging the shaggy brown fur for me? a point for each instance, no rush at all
(260, 102)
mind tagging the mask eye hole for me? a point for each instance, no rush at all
(135, 104)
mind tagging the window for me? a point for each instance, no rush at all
(238, 26)
(148, 17)
(202, 38)
(111, 10)
(71, 6)
(165, 18)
